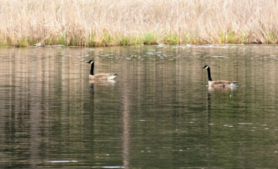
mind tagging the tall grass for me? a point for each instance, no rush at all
(124, 22)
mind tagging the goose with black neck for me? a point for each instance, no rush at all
(219, 83)
(99, 76)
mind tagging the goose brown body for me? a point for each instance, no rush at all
(222, 83)
(100, 76)
(219, 83)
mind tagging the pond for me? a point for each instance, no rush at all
(158, 112)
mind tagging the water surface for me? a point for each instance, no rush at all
(159, 111)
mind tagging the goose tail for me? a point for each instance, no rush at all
(234, 84)
(112, 77)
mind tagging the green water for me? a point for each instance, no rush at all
(158, 112)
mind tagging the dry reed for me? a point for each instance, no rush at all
(125, 22)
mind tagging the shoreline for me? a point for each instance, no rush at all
(157, 44)
(126, 41)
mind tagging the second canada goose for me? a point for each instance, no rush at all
(100, 76)
(219, 83)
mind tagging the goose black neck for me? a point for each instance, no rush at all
(209, 76)
(92, 69)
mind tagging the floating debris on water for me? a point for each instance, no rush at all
(160, 45)
(218, 56)
(63, 161)
(107, 54)
(110, 167)
(149, 53)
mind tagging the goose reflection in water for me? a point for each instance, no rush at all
(100, 83)
(222, 90)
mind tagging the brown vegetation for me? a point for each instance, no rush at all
(123, 22)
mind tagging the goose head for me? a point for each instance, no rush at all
(206, 67)
(90, 61)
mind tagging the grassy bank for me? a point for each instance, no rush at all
(124, 22)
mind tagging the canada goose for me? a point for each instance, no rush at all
(219, 83)
(100, 76)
